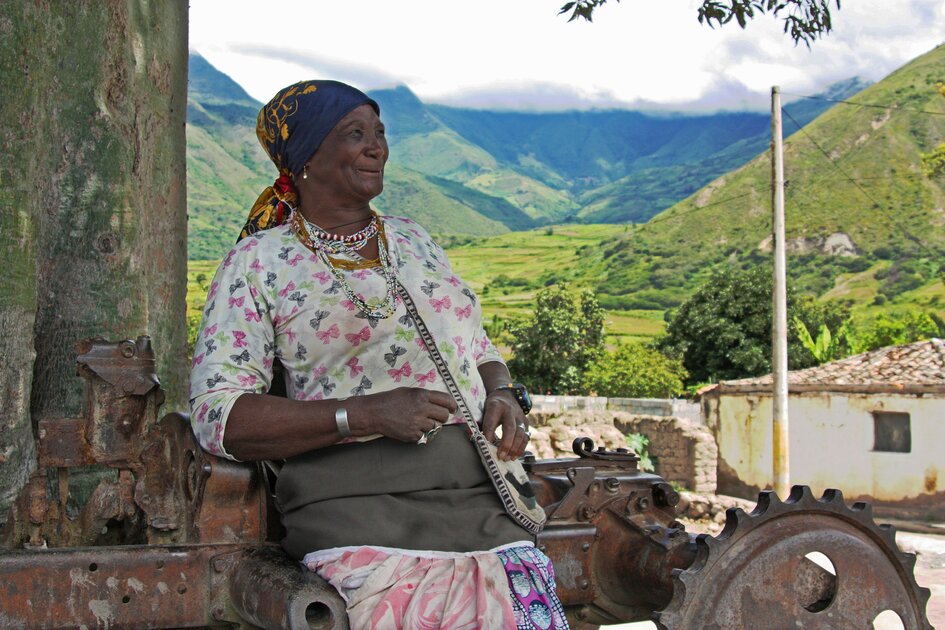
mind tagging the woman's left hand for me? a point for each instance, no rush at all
(502, 410)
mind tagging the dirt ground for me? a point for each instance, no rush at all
(929, 572)
(929, 569)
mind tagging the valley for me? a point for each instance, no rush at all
(638, 207)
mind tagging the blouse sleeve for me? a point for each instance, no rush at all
(483, 350)
(234, 351)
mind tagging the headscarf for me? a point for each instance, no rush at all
(290, 128)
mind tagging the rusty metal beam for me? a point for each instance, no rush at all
(115, 587)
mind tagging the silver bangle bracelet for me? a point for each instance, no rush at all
(341, 422)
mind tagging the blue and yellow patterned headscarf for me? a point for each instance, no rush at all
(290, 128)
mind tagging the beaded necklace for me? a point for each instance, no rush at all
(336, 243)
(322, 243)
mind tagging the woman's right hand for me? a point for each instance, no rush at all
(404, 414)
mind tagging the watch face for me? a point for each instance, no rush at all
(521, 395)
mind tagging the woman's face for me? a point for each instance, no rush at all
(347, 170)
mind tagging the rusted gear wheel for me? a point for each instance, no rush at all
(762, 570)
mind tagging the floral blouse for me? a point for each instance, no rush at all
(273, 298)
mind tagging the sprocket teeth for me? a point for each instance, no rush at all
(864, 509)
(696, 584)
(659, 617)
(832, 496)
(766, 499)
(734, 517)
(704, 544)
(908, 560)
(888, 532)
(800, 495)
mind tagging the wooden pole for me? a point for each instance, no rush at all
(780, 441)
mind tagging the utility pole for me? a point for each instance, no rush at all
(780, 441)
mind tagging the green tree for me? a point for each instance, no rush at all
(804, 20)
(92, 185)
(724, 330)
(636, 370)
(893, 329)
(554, 347)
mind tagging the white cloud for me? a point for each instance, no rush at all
(523, 55)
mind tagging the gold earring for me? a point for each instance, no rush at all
(305, 172)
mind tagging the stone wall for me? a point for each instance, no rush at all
(557, 404)
(684, 452)
(664, 407)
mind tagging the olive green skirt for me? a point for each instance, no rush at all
(385, 493)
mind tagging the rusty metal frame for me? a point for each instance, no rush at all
(196, 529)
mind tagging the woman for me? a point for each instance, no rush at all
(405, 525)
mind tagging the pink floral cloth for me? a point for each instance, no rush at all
(272, 298)
(512, 587)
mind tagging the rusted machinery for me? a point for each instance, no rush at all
(172, 538)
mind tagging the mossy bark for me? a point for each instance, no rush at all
(92, 193)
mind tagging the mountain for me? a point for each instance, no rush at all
(227, 169)
(864, 224)
(856, 199)
(476, 172)
(625, 165)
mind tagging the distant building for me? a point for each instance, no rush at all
(872, 425)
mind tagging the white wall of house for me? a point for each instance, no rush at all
(831, 442)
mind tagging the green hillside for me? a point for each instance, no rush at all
(864, 225)
(476, 172)
(854, 182)
(227, 169)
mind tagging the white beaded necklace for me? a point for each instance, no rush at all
(322, 246)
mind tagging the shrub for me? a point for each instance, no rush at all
(639, 444)
(636, 371)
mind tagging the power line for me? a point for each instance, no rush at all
(873, 105)
(876, 204)
(683, 213)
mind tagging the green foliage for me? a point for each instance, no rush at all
(724, 330)
(193, 331)
(496, 328)
(636, 370)
(826, 347)
(933, 162)
(806, 20)
(639, 444)
(554, 347)
(503, 280)
(896, 329)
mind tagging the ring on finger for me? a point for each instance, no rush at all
(524, 428)
(429, 435)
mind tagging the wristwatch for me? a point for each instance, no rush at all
(521, 395)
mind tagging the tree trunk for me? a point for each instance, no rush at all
(92, 192)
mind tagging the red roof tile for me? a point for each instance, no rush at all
(915, 367)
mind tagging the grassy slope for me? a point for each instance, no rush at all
(887, 204)
(870, 189)
(569, 253)
(518, 170)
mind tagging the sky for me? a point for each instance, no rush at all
(521, 55)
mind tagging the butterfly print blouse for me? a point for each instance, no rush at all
(272, 298)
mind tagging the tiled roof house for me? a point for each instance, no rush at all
(913, 368)
(872, 425)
